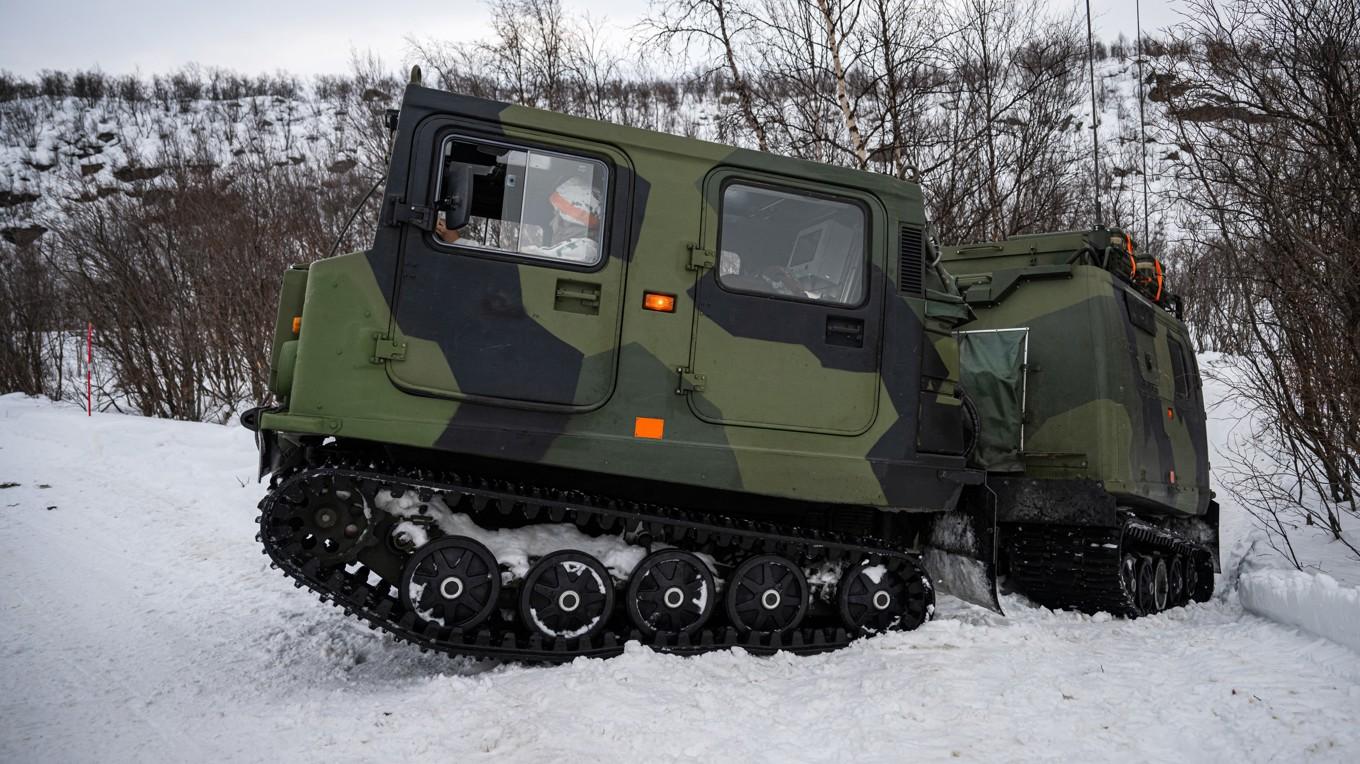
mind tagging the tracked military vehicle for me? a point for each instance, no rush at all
(592, 384)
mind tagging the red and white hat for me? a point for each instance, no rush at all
(576, 202)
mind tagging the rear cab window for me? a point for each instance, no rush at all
(1181, 370)
(529, 202)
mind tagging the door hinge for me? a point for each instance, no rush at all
(397, 211)
(700, 258)
(689, 382)
(385, 349)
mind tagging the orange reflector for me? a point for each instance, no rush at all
(297, 324)
(662, 303)
(646, 427)
(1170, 414)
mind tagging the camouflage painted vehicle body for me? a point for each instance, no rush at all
(1096, 420)
(552, 364)
(552, 387)
(1112, 393)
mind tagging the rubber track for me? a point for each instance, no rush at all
(380, 609)
(1078, 567)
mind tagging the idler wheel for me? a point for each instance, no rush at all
(1202, 568)
(567, 594)
(767, 594)
(1146, 583)
(331, 526)
(671, 590)
(452, 582)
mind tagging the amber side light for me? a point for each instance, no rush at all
(297, 324)
(661, 303)
(1170, 413)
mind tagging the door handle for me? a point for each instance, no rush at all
(844, 331)
(577, 297)
(588, 296)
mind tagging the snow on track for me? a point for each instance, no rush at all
(140, 622)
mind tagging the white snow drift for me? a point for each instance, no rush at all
(139, 621)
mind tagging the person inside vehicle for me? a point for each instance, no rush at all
(572, 232)
(575, 224)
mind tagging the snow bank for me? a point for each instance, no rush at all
(1313, 602)
(141, 623)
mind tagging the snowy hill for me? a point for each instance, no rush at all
(61, 151)
(142, 622)
(127, 136)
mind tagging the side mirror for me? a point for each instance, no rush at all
(455, 198)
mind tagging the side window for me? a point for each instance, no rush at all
(789, 244)
(528, 202)
(1180, 371)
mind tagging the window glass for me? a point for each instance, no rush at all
(1179, 370)
(791, 245)
(530, 202)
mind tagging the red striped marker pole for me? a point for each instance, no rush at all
(89, 369)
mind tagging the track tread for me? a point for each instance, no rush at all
(380, 610)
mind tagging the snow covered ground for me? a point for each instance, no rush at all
(140, 622)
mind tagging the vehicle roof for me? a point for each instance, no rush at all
(625, 137)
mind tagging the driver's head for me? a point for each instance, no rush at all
(577, 207)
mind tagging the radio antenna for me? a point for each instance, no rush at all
(1142, 121)
(1095, 119)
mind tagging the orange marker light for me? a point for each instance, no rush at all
(1170, 413)
(297, 324)
(661, 303)
(646, 427)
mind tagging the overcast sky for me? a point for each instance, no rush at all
(304, 37)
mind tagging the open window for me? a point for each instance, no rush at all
(521, 201)
(792, 245)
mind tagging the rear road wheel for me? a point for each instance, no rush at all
(1161, 587)
(873, 599)
(1146, 583)
(1128, 580)
(1175, 574)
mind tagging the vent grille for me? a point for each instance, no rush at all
(911, 261)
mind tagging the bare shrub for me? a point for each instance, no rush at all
(1266, 103)
(183, 285)
(32, 353)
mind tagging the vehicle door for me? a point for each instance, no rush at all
(521, 304)
(788, 320)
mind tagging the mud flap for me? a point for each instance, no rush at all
(267, 442)
(961, 549)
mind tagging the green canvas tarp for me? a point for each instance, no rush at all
(993, 376)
